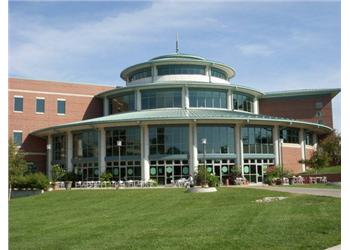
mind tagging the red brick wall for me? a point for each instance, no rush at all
(308, 153)
(80, 104)
(301, 108)
(291, 156)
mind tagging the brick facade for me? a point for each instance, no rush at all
(301, 108)
(291, 155)
(80, 104)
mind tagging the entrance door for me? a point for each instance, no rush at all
(259, 173)
(122, 171)
(169, 174)
(217, 172)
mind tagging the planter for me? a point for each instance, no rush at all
(68, 184)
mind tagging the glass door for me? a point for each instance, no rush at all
(259, 173)
(217, 172)
(169, 174)
(122, 172)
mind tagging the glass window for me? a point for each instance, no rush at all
(139, 74)
(243, 102)
(61, 106)
(169, 140)
(290, 135)
(257, 140)
(18, 103)
(40, 105)
(59, 148)
(208, 98)
(309, 138)
(122, 103)
(17, 138)
(130, 141)
(220, 139)
(161, 98)
(85, 144)
(218, 73)
(180, 69)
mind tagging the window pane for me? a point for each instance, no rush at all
(18, 104)
(17, 138)
(40, 105)
(209, 98)
(61, 107)
(161, 98)
(243, 102)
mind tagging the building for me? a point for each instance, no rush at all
(154, 127)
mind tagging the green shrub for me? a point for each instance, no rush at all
(36, 180)
(213, 181)
(106, 176)
(69, 176)
(57, 173)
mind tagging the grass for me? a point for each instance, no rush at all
(326, 170)
(173, 219)
(318, 185)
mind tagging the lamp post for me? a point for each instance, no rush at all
(204, 143)
(119, 144)
(281, 146)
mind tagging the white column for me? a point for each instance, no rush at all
(49, 156)
(276, 144)
(241, 151)
(69, 151)
(238, 145)
(256, 106)
(105, 106)
(208, 72)
(154, 72)
(145, 153)
(229, 99)
(195, 148)
(314, 136)
(187, 98)
(102, 150)
(138, 100)
(302, 147)
(183, 94)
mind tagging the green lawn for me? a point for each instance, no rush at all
(173, 219)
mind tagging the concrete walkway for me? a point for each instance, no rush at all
(338, 247)
(298, 190)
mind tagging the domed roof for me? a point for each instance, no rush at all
(178, 56)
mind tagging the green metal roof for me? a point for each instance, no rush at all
(301, 92)
(180, 114)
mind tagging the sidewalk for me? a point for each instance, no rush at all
(312, 191)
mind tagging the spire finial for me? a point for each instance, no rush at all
(177, 42)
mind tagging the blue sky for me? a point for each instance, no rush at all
(271, 45)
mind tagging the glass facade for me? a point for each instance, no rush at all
(161, 98)
(254, 170)
(180, 69)
(257, 140)
(218, 73)
(243, 102)
(220, 139)
(221, 168)
(167, 172)
(85, 144)
(87, 171)
(168, 140)
(61, 106)
(40, 105)
(141, 73)
(122, 103)
(129, 137)
(208, 98)
(290, 135)
(309, 138)
(126, 170)
(18, 104)
(59, 149)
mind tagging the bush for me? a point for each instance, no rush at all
(106, 176)
(213, 181)
(57, 173)
(273, 173)
(69, 176)
(37, 180)
(203, 178)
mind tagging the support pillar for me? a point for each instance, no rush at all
(69, 151)
(102, 150)
(49, 156)
(138, 100)
(105, 106)
(315, 141)
(145, 175)
(238, 145)
(302, 147)
(276, 144)
(229, 99)
(193, 159)
(256, 106)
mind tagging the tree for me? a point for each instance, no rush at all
(331, 146)
(17, 164)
